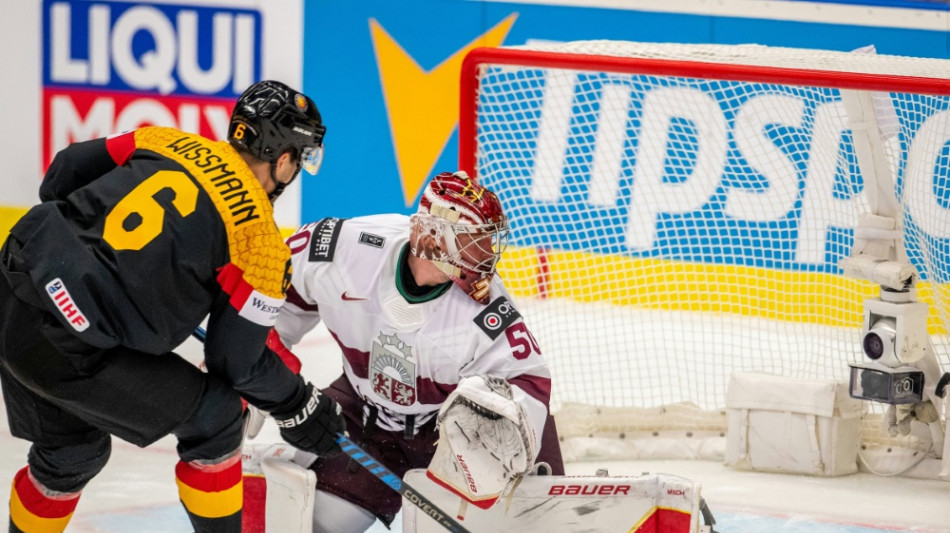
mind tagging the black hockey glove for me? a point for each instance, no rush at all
(313, 426)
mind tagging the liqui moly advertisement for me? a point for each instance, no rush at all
(116, 66)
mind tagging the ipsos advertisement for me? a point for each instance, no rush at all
(385, 76)
(115, 66)
(718, 172)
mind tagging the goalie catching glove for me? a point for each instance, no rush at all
(485, 441)
(313, 425)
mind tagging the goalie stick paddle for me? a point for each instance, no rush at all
(391, 480)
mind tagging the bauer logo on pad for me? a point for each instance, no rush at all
(497, 317)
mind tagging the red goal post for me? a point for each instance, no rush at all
(679, 213)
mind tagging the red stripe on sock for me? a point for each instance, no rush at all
(214, 478)
(39, 504)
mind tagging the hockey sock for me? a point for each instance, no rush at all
(212, 494)
(34, 509)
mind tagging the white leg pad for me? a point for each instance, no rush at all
(291, 492)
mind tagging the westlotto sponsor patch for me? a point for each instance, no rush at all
(261, 309)
(497, 317)
(372, 240)
(323, 242)
(64, 302)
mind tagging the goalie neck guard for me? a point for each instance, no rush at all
(460, 226)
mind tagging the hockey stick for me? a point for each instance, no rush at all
(391, 480)
(200, 334)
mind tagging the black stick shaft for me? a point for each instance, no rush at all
(394, 482)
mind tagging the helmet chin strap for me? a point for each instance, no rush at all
(279, 186)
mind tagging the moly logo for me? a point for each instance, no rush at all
(116, 66)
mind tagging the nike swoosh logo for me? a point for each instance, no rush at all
(350, 298)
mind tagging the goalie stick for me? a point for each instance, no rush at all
(394, 482)
(391, 480)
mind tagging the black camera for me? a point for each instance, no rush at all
(893, 338)
(889, 385)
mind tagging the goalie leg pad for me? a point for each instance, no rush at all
(291, 490)
(279, 489)
(484, 441)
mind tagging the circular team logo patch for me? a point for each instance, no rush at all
(492, 321)
(496, 317)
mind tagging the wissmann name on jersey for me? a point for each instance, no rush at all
(231, 188)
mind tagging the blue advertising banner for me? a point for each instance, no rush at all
(385, 76)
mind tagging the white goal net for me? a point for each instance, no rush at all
(679, 212)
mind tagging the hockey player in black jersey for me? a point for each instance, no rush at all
(140, 236)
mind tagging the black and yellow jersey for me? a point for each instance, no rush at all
(141, 235)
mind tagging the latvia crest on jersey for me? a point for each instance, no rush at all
(392, 373)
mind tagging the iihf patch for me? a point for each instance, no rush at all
(67, 307)
(323, 242)
(372, 240)
(496, 317)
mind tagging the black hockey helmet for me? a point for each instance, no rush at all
(271, 118)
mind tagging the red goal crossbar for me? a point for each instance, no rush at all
(468, 89)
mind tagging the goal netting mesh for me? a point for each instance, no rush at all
(679, 212)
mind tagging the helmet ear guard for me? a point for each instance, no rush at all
(461, 228)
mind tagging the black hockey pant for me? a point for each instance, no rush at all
(68, 409)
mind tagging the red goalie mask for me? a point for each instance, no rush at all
(461, 227)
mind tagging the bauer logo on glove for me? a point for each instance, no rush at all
(301, 416)
(313, 425)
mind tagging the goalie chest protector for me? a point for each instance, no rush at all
(801, 426)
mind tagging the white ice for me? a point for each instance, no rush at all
(137, 491)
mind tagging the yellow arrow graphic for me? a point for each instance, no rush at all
(422, 106)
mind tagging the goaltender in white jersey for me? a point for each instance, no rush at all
(432, 347)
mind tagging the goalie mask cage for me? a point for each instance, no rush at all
(679, 212)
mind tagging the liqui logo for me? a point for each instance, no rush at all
(114, 66)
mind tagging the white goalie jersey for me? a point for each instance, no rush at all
(404, 354)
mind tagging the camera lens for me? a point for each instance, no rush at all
(873, 345)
